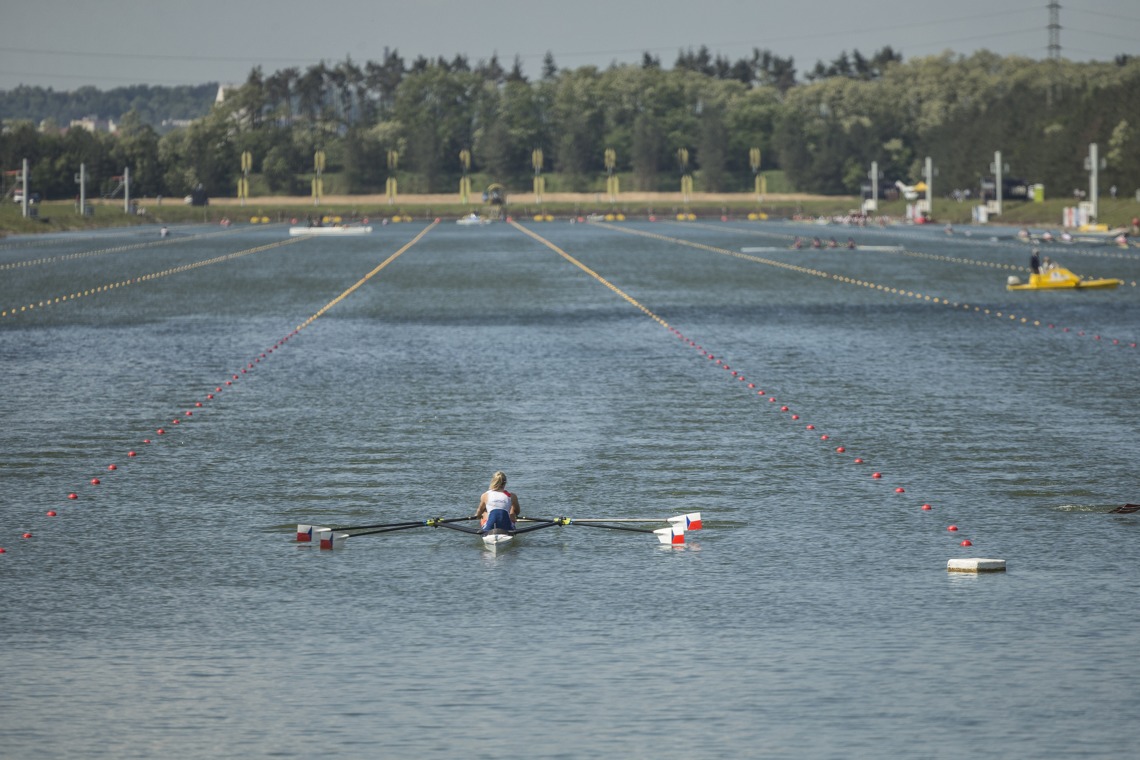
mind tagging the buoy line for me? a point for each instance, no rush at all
(735, 376)
(14, 311)
(103, 251)
(188, 415)
(904, 251)
(980, 310)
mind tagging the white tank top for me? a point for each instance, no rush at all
(498, 500)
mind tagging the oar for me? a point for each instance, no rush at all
(538, 525)
(1127, 509)
(674, 534)
(405, 524)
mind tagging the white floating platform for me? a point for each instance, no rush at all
(975, 565)
(298, 231)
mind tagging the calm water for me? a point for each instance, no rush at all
(165, 612)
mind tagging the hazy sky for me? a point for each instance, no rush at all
(67, 44)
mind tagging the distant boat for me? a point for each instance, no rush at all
(1059, 278)
(472, 220)
(339, 229)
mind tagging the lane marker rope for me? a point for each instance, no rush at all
(14, 311)
(80, 496)
(1024, 321)
(736, 376)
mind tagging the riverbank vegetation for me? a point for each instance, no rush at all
(412, 122)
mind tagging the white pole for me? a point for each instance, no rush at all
(126, 189)
(875, 182)
(1094, 165)
(929, 186)
(997, 183)
(24, 181)
(83, 189)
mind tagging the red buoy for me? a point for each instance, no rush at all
(952, 528)
(811, 427)
(858, 460)
(160, 431)
(840, 449)
(900, 489)
(94, 481)
(967, 542)
(926, 507)
(783, 408)
(26, 535)
(112, 467)
(131, 453)
(2, 550)
(73, 496)
(823, 437)
(795, 416)
(876, 475)
(51, 513)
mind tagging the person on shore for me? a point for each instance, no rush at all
(498, 507)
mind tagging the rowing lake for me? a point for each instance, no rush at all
(166, 613)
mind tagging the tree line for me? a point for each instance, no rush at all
(823, 132)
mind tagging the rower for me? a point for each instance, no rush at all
(498, 507)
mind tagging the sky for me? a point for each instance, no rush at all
(64, 44)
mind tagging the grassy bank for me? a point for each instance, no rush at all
(61, 215)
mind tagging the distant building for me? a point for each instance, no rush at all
(222, 90)
(94, 124)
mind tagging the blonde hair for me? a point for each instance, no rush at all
(498, 480)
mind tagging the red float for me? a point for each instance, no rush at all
(926, 507)
(876, 475)
(952, 528)
(95, 481)
(112, 467)
(73, 496)
(858, 460)
(900, 489)
(967, 542)
(51, 513)
(840, 449)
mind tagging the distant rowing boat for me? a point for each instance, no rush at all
(336, 230)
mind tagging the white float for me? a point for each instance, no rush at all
(975, 565)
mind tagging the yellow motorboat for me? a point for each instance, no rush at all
(1058, 278)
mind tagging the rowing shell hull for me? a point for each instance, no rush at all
(497, 539)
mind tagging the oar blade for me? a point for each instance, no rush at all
(305, 533)
(673, 535)
(691, 521)
(329, 539)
